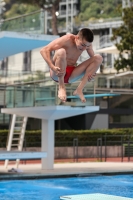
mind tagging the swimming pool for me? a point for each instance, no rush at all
(53, 188)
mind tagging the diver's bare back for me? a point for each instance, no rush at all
(72, 53)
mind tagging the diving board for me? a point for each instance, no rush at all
(95, 196)
(13, 155)
(77, 97)
(94, 95)
(22, 42)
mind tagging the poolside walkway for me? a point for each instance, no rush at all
(67, 169)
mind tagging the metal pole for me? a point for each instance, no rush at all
(46, 22)
(105, 147)
(66, 16)
(0, 13)
(75, 149)
(101, 149)
(2, 4)
(72, 16)
(122, 148)
(42, 22)
(99, 145)
(14, 99)
(128, 148)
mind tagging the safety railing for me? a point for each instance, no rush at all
(30, 89)
(114, 83)
(42, 93)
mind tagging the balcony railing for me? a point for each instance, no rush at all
(105, 41)
(115, 83)
(69, 1)
(105, 23)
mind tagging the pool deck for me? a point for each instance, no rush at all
(67, 169)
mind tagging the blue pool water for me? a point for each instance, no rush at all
(53, 188)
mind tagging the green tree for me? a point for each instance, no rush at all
(51, 6)
(19, 9)
(99, 9)
(123, 38)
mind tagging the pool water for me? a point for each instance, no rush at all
(53, 188)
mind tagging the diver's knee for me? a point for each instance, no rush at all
(98, 58)
(61, 53)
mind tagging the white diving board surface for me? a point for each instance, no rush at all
(13, 155)
(95, 196)
(76, 97)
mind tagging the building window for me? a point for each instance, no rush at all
(4, 67)
(27, 61)
(102, 82)
(121, 119)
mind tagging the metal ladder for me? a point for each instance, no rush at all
(16, 135)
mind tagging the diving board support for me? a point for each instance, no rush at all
(48, 143)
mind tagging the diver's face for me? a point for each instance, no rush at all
(82, 44)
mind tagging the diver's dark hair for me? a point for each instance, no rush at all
(86, 34)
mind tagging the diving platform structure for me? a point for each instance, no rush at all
(48, 114)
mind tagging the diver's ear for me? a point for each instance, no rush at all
(77, 36)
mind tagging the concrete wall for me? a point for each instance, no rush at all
(97, 121)
(100, 122)
(15, 62)
(88, 152)
(37, 61)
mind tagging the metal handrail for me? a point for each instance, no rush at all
(99, 145)
(75, 149)
(21, 16)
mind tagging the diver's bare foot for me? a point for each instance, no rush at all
(80, 94)
(62, 94)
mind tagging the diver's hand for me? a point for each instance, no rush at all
(59, 72)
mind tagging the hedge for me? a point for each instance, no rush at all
(71, 137)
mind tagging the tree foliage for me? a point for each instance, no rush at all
(123, 38)
(51, 6)
(26, 6)
(99, 9)
(19, 9)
